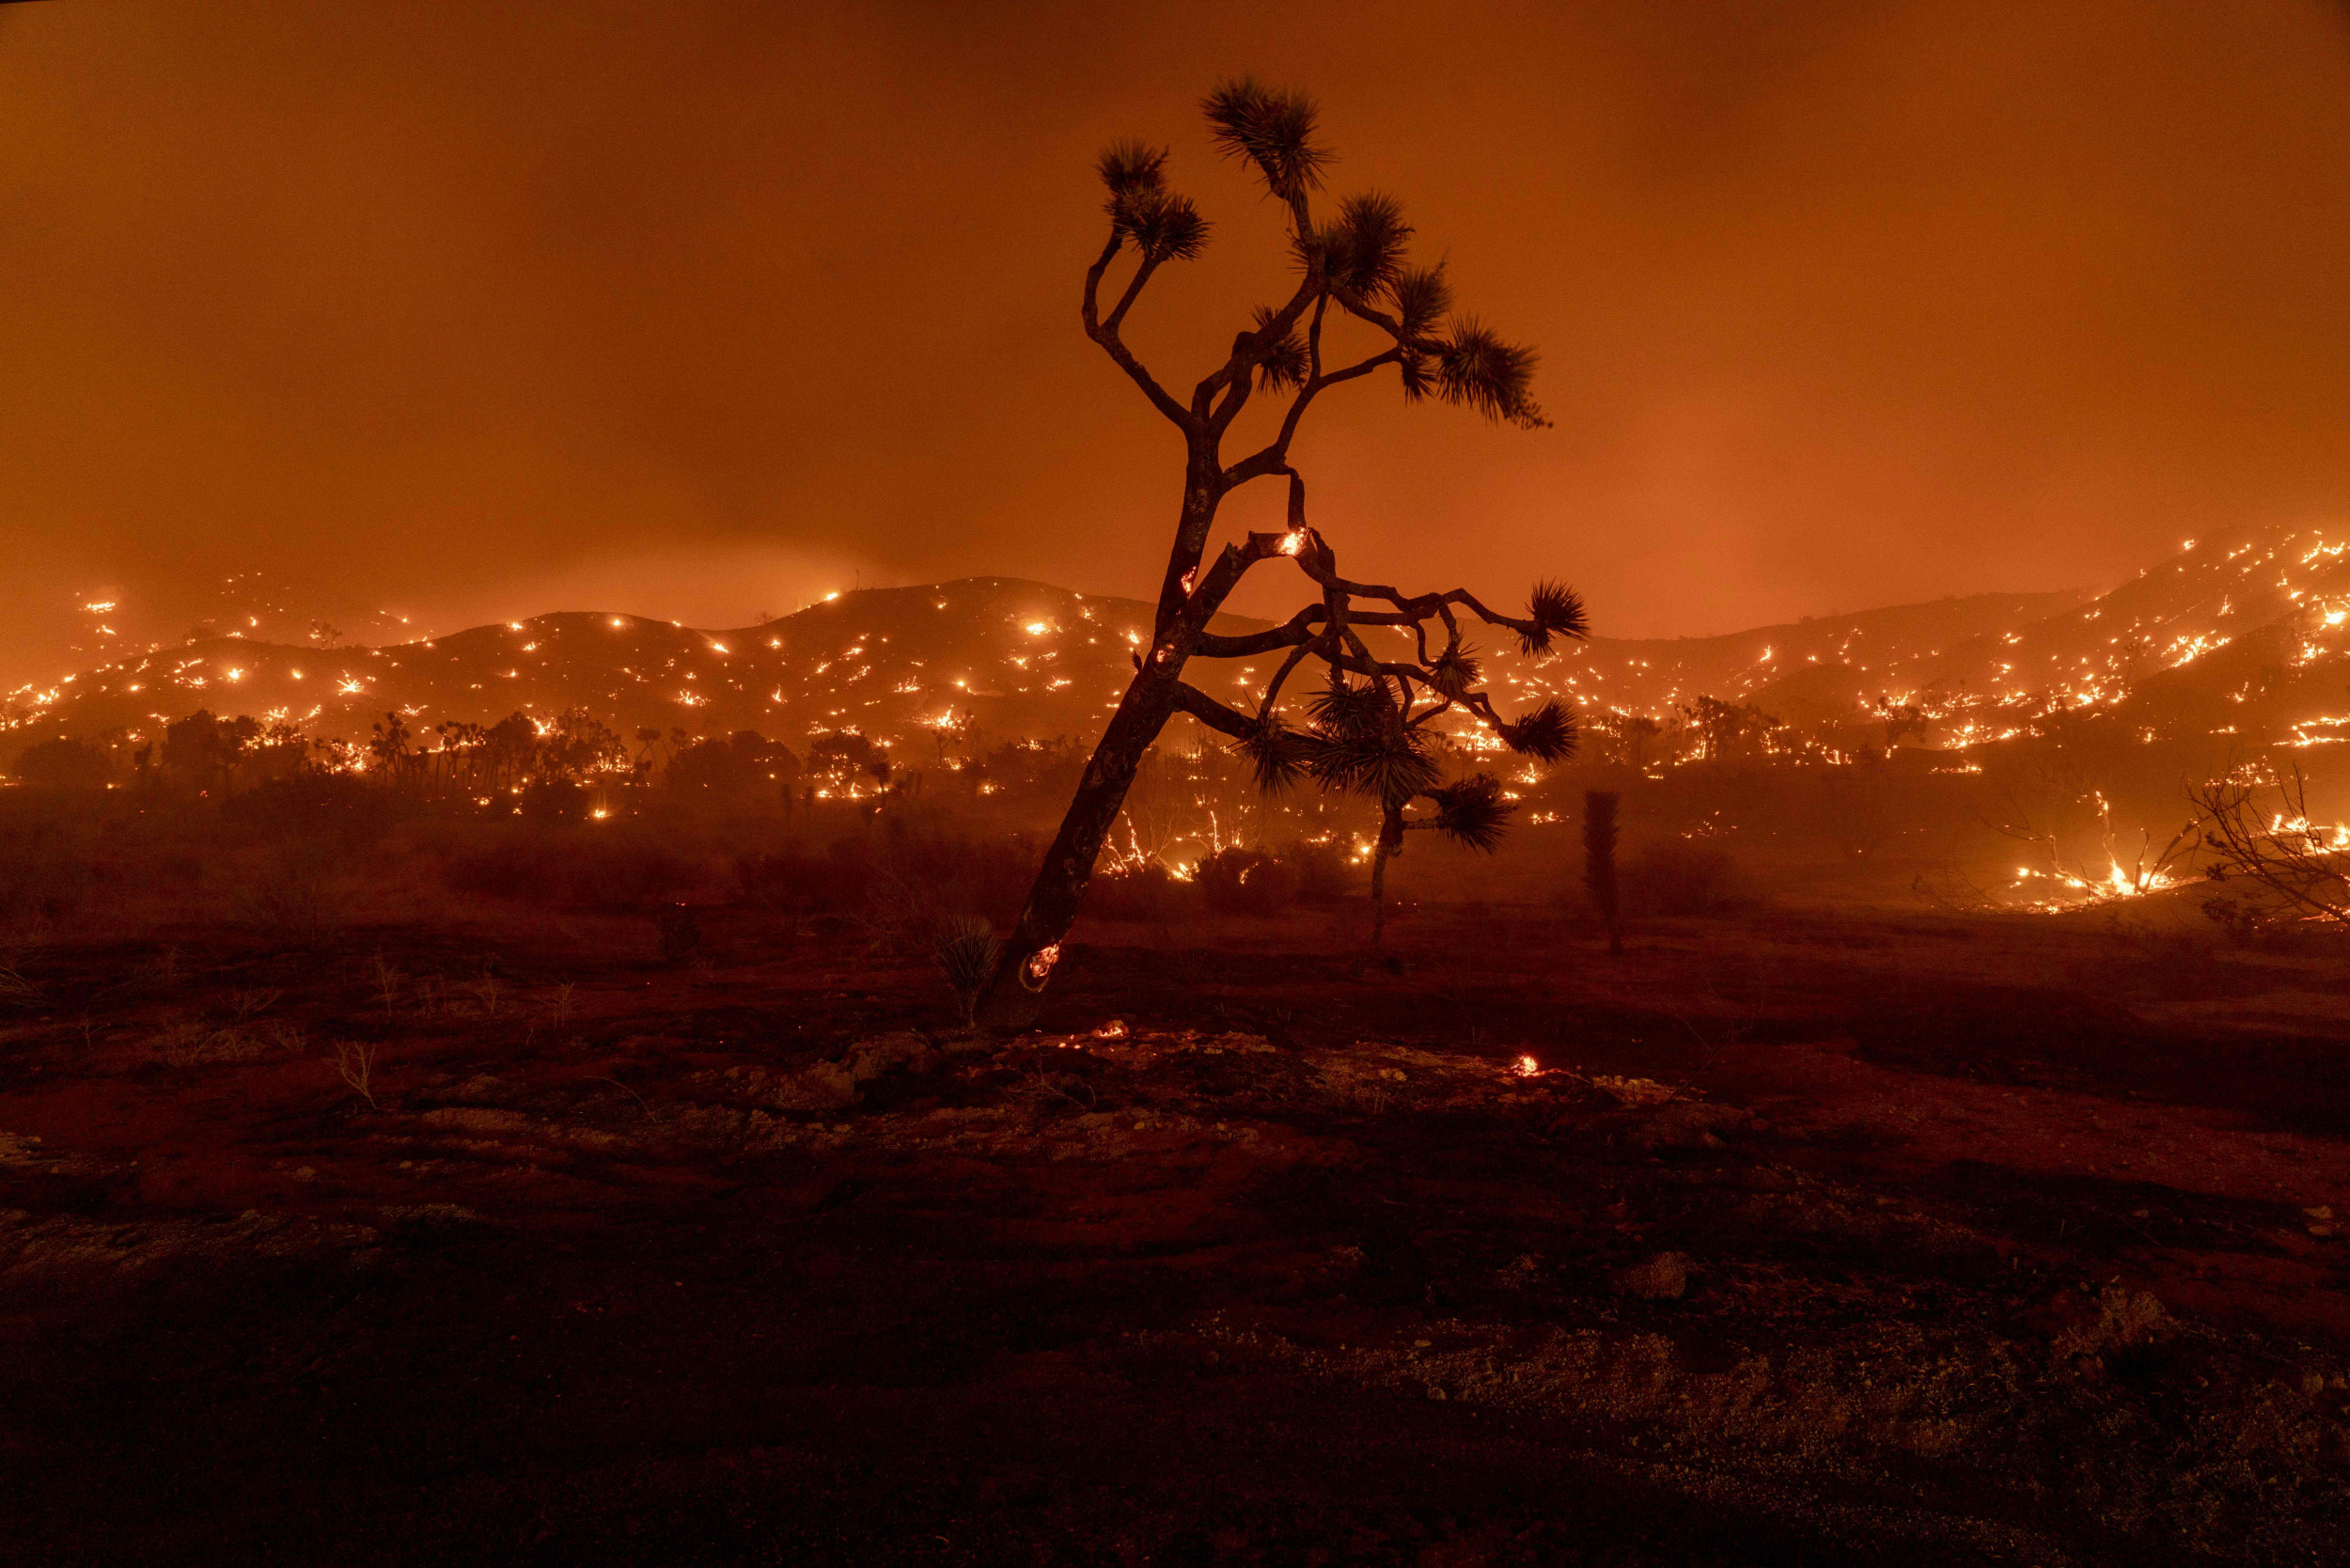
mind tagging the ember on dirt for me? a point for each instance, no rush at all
(827, 784)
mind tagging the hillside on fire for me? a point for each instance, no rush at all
(1127, 787)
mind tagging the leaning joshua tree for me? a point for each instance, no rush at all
(1371, 726)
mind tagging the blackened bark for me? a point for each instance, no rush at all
(1014, 995)
(1391, 845)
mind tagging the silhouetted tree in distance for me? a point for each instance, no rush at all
(1599, 861)
(63, 764)
(1353, 277)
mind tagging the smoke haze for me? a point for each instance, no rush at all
(696, 310)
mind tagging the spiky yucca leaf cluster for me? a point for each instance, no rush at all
(1454, 672)
(1362, 249)
(1473, 813)
(1271, 129)
(1546, 734)
(1476, 369)
(1280, 755)
(1129, 167)
(1555, 611)
(1284, 362)
(967, 949)
(1420, 297)
(1164, 227)
(1363, 745)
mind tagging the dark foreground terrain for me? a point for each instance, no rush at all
(1799, 1241)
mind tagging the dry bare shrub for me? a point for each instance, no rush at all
(354, 1062)
(198, 1043)
(487, 993)
(248, 1005)
(385, 979)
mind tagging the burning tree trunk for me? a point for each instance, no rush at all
(1372, 738)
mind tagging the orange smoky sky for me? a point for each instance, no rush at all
(699, 310)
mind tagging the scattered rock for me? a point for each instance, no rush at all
(1634, 1091)
(904, 1052)
(1662, 1278)
(827, 1086)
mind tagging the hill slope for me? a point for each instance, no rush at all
(2250, 629)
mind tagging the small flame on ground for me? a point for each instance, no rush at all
(1114, 1030)
(1526, 1067)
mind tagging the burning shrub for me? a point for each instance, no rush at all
(1679, 876)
